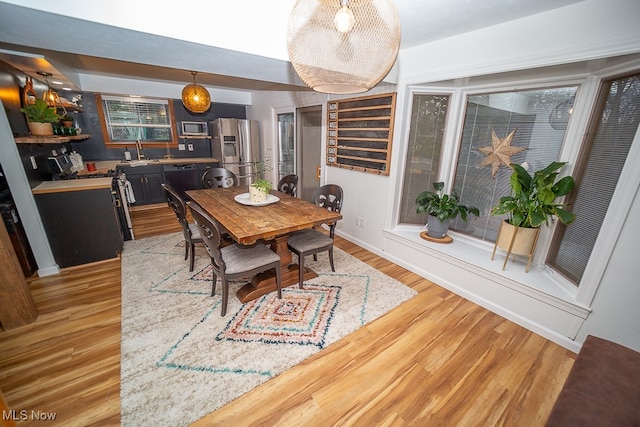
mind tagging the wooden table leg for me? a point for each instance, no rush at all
(263, 283)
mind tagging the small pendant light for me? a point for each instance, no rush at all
(196, 98)
(51, 96)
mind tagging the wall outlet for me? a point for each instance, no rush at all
(360, 222)
(190, 147)
(182, 147)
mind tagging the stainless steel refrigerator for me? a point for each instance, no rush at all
(236, 143)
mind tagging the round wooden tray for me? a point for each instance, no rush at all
(445, 239)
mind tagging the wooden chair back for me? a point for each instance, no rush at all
(288, 185)
(211, 234)
(219, 177)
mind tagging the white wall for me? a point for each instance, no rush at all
(586, 30)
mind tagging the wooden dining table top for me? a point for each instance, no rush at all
(248, 224)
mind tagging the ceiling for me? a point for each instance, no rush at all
(238, 45)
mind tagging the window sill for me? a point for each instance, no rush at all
(539, 283)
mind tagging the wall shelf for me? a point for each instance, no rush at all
(53, 139)
(360, 132)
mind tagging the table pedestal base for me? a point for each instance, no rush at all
(264, 283)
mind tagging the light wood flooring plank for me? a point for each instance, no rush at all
(438, 359)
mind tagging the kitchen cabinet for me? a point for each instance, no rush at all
(80, 219)
(146, 182)
(182, 174)
(181, 177)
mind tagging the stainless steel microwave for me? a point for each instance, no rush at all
(194, 129)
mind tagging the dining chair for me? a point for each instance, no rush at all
(218, 177)
(189, 230)
(288, 184)
(312, 242)
(234, 261)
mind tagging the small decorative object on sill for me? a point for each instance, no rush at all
(445, 239)
(530, 204)
(442, 208)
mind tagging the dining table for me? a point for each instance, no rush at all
(270, 222)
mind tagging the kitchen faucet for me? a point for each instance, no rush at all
(139, 149)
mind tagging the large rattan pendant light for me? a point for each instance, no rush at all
(343, 46)
(196, 98)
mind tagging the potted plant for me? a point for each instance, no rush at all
(40, 117)
(532, 202)
(260, 188)
(442, 208)
(67, 120)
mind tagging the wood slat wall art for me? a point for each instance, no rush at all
(360, 133)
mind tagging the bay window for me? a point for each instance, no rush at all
(544, 127)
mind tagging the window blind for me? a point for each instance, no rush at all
(601, 165)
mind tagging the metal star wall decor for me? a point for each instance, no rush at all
(500, 152)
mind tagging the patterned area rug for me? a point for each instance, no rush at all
(181, 360)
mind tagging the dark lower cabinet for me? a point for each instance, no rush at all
(82, 226)
(146, 183)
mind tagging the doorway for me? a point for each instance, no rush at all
(309, 149)
(286, 145)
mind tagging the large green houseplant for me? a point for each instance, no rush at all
(441, 209)
(40, 117)
(532, 198)
(532, 202)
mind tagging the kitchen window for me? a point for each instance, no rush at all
(128, 119)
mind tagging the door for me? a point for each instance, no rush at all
(286, 145)
(309, 149)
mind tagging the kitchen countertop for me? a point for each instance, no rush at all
(174, 161)
(113, 164)
(97, 183)
(65, 185)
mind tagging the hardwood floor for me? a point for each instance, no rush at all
(438, 359)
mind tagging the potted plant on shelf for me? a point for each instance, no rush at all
(259, 190)
(532, 202)
(40, 118)
(67, 120)
(441, 209)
